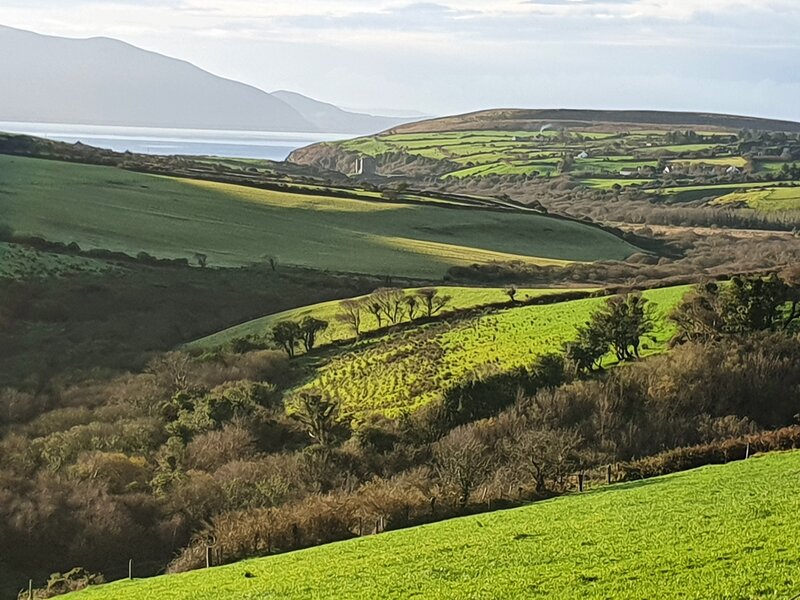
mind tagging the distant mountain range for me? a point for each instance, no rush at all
(102, 81)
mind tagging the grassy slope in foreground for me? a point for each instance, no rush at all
(462, 297)
(103, 207)
(715, 532)
(409, 369)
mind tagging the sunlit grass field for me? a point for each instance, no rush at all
(611, 158)
(462, 297)
(715, 532)
(766, 199)
(405, 370)
(104, 207)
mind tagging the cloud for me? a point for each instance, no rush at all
(448, 55)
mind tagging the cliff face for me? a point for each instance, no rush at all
(326, 156)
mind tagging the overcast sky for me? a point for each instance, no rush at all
(738, 56)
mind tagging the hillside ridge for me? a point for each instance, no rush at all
(520, 118)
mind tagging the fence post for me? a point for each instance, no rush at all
(208, 557)
(30, 589)
(433, 506)
(608, 475)
(130, 569)
(747, 452)
(580, 482)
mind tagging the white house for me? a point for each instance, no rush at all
(583, 155)
(733, 170)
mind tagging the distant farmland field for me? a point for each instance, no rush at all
(715, 532)
(103, 207)
(764, 199)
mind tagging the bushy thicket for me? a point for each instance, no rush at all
(199, 451)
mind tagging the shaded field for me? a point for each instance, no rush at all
(22, 262)
(402, 371)
(714, 532)
(104, 207)
(462, 297)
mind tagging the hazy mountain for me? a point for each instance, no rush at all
(328, 117)
(101, 81)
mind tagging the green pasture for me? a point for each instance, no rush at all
(764, 199)
(725, 532)
(462, 297)
(104, 207)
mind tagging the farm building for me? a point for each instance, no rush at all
(629, 171)
(583, 155)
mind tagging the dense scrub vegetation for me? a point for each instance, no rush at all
(63, 313)
(200, 451)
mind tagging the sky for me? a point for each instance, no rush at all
(447, 56)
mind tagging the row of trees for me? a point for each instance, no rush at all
(386, 306)
(391, 306)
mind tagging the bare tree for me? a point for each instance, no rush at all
(547, 454)
(391, 302)
(462, 462)
(433, 301)
(511, 292)
(172, 370)
(350, 314)
(412, 304)
(376, 310)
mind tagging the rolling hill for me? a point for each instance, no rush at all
(103, 81)
(714, 532)
(535, 119)
(461, 298)
(402, 371)
(105, 207)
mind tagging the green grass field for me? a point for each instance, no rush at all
(405, 370)
(765, 199)
(462, 297)
(103, 207)
(633, 155)
(716, 532)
